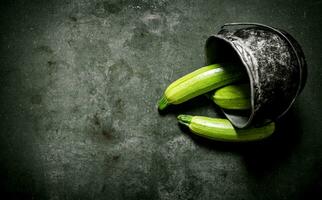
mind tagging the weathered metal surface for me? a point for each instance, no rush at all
(273, 63)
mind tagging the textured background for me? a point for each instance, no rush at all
(79, 81)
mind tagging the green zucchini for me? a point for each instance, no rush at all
(234, 97)
(222, 130)
(199, 82)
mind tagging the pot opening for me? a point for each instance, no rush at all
(219, 50)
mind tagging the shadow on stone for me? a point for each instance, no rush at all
(264, 157)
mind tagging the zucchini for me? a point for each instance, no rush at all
(199, 82)
(233, 97)
(222, 130)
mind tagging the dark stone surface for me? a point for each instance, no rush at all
(79, 83)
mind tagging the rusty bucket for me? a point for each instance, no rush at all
(274, 62)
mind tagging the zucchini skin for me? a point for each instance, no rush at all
(199, 82)
(233, 97)
(222, 130)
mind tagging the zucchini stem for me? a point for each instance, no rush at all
(163, 103)
(184, 119)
